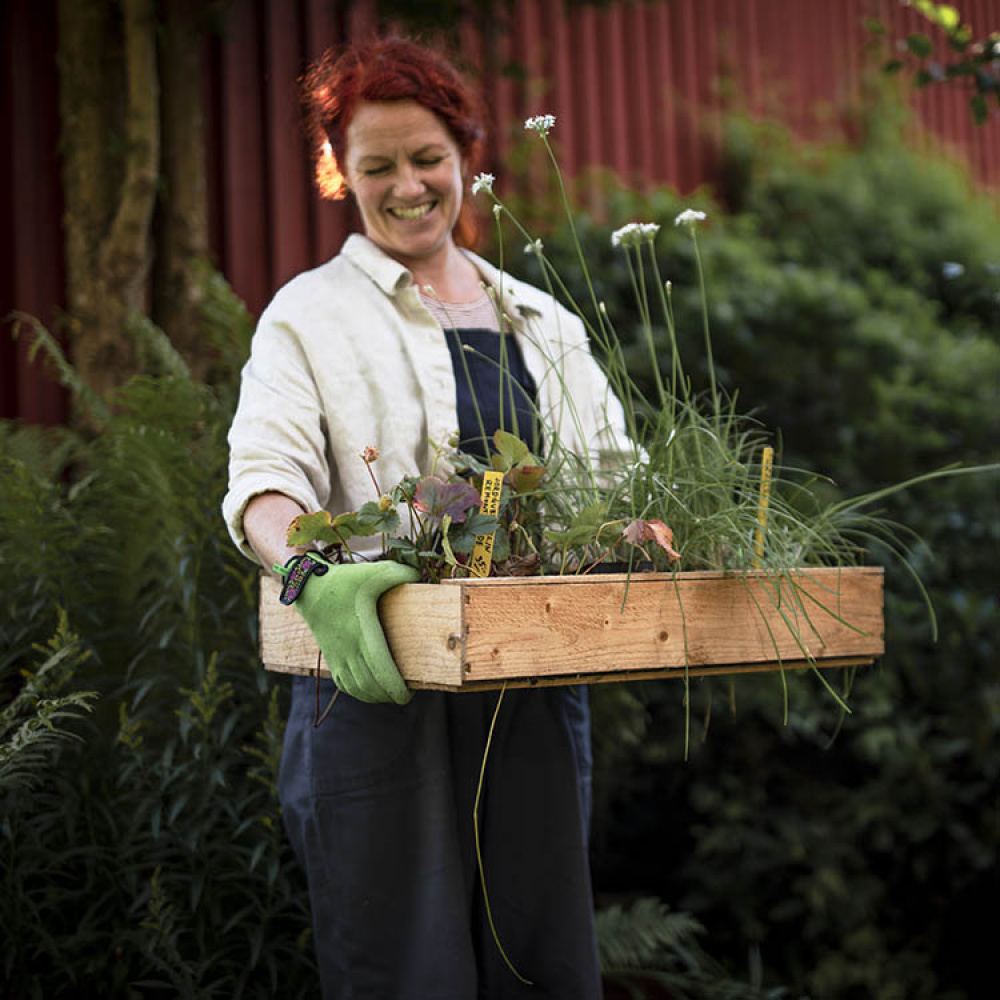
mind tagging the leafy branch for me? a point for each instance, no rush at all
(975, 62)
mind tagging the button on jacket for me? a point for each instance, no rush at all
(347, 355)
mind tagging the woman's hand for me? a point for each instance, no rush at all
(265, 523)
(340, 605)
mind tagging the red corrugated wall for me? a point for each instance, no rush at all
(632, 86)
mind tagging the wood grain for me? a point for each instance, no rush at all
(478, 633)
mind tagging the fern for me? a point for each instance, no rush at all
(42, 340)
(32, 722)
(633, 937)
(645, 943)
(150, 860)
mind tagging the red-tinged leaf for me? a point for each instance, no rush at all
(639, 531)
(525, 478)
(435, 497)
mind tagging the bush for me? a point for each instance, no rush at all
(854, 305)
(848, 856)
(145, 857)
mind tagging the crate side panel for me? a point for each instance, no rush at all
(538, 630)
(423, 623)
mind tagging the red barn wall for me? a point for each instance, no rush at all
(632, 86)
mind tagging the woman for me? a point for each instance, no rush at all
(378, 800)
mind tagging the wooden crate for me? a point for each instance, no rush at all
(475, 634)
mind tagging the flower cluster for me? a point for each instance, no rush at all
(483, 182)
(542, 124)
(634, 234)
(689, 217)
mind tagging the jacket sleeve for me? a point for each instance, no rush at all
(277, 439)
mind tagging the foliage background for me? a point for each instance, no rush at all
(854, 302)
(854, 299)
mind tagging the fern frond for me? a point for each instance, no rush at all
(31, 724)
(42, 340)
(633, 937)
(156, 352)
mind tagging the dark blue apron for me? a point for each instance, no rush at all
(378, 805)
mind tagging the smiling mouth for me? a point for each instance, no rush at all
(416, 212)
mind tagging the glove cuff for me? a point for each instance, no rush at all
(297, 572)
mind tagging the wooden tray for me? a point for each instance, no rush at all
(475, 634)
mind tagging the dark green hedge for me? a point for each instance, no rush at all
(853, 300)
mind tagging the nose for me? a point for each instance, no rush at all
(409, 183)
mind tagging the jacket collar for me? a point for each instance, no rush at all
(392, 277)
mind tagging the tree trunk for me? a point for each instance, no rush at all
(110, 193)
(182, 225)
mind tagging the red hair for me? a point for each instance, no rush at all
(389, 69)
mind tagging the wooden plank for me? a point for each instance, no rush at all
(424, 625)
(612, 676)
(471, 634)
(538, 629)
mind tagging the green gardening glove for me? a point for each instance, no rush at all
(340, 605)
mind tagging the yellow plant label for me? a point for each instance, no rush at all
(765, 495)
(482, 553)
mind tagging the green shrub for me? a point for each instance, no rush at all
(850, 855)
(851, 850)
(145, 857)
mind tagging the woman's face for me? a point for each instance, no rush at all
(406, 173)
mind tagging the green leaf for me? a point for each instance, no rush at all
(307, 528)
(404, 545)
(948, 17)
(371, 515)
(584, 528)
(462, 537)
(979, 110)
(511, 451)
(892, 66)
(449, 555)
(404, 491)
(501, 547)
(919, 45)
(959, 40)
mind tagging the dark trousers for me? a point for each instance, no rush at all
(378, 803)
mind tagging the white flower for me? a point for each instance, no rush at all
(542, 124)
(634, 233)
(483, 182)
(689, 217)
(497, 209)
(535, 246)
(996, 48)
(952, 269)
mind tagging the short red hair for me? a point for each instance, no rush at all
(389, 69)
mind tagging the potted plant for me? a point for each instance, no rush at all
(735, 577)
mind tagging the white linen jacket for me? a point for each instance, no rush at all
(347, 355)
